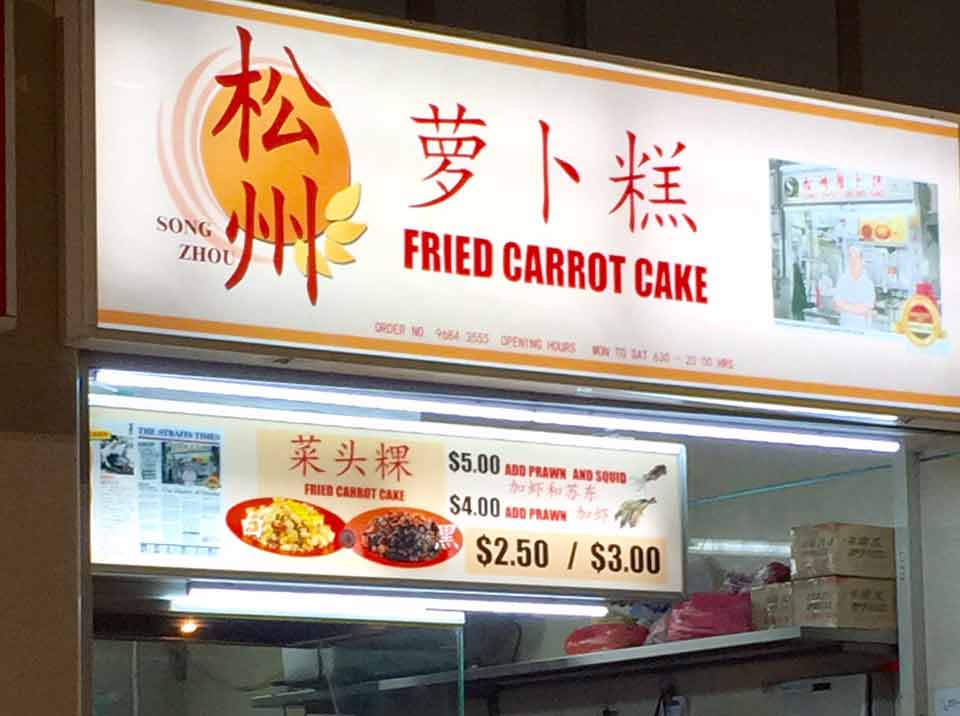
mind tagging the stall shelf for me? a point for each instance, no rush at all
(858, 650)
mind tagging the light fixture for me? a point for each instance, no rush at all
(134, 379)
(189, 627)
(800, 410)
(304, 417)
(263, 391)
(330, 605)
(462, 409)
(739, 548)
(717, 432)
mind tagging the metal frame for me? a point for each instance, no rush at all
(913, 696)
(906, 509)
(857, 648)
(79, 161)
(8, 244)
(85, 605)
(912, 692)
(93, 361)
(81, 242)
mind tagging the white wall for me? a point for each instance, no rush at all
(221, 679)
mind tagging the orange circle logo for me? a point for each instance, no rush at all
(256, 149)
(269, 167)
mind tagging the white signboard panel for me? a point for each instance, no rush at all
(278, 177)
(241, 497)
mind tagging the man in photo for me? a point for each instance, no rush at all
(855, 295)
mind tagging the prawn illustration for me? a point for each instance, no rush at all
(630, 511)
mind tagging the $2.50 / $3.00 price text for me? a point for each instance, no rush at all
(577, 558)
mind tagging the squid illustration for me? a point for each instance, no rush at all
(651, 475)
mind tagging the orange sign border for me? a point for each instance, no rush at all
(491, 358)
(386, 35)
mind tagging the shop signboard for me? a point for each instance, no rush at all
(286, 179)
(499, 509)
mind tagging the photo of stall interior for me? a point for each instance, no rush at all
(853, 249)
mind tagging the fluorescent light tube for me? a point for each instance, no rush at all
(743, 548)
(133, 379)
(459, 409)
(331, 605)
(383, 424)
(788, 409)
(556, 609)
(229, 602)
(718, 432)
(129, 379)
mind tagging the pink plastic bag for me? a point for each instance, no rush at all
(705, 615)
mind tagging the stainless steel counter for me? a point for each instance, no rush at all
(862, 647)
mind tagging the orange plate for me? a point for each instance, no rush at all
(236, 514)
(359, 524)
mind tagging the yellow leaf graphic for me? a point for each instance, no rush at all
(342, 204)
(336, 253)
(345, 232)
(323, 268)
(300, 254)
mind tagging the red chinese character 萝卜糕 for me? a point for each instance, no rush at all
(666, 186)
(448, 146)
(567, 167)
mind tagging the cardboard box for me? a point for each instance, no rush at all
(845, 550)
(845, 602)
(772, 606)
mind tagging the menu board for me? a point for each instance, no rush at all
(250, 497)
(568, 215)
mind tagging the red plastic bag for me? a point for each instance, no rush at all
(600, 637)
(709, 615)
